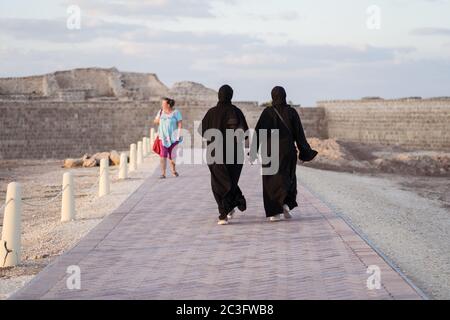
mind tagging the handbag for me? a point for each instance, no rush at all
(157, 143)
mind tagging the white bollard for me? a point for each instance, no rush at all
(11, 233)
(144, 146)
(133, 157)
(152, 137)
(68, 198)
(104, 188)
(149, 146)
(140, 157)
(123, 171)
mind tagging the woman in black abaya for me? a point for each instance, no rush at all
(225, 174)
(280, 189)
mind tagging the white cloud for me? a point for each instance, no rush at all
(431, 32)
(169, 9)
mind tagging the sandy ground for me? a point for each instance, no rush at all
(407, 217)
(43, 235)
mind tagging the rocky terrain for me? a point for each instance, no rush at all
(89, 161)
(371, 158)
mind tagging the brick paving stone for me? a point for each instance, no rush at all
(163, 243)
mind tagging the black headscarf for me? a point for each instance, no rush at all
(279, 96)
(218, 117)
(225, 95)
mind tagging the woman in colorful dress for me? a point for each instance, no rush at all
(169, 121)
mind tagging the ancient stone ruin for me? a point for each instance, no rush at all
(66, 114)
(192, 91)
(97, 84)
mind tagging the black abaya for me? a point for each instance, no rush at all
(281, 188)
(225, 176)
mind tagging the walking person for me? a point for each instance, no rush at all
(225, 174)
(280, 189)
(169, 121)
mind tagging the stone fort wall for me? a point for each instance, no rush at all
(411, 123)
(56, 129)
(70, 129)
(34, 85)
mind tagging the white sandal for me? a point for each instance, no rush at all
(275, 218)
(286, 212)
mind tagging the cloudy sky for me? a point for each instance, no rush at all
(317, 49)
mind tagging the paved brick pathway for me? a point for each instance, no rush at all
(163, 243)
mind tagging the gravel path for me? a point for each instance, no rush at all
(411, 230)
